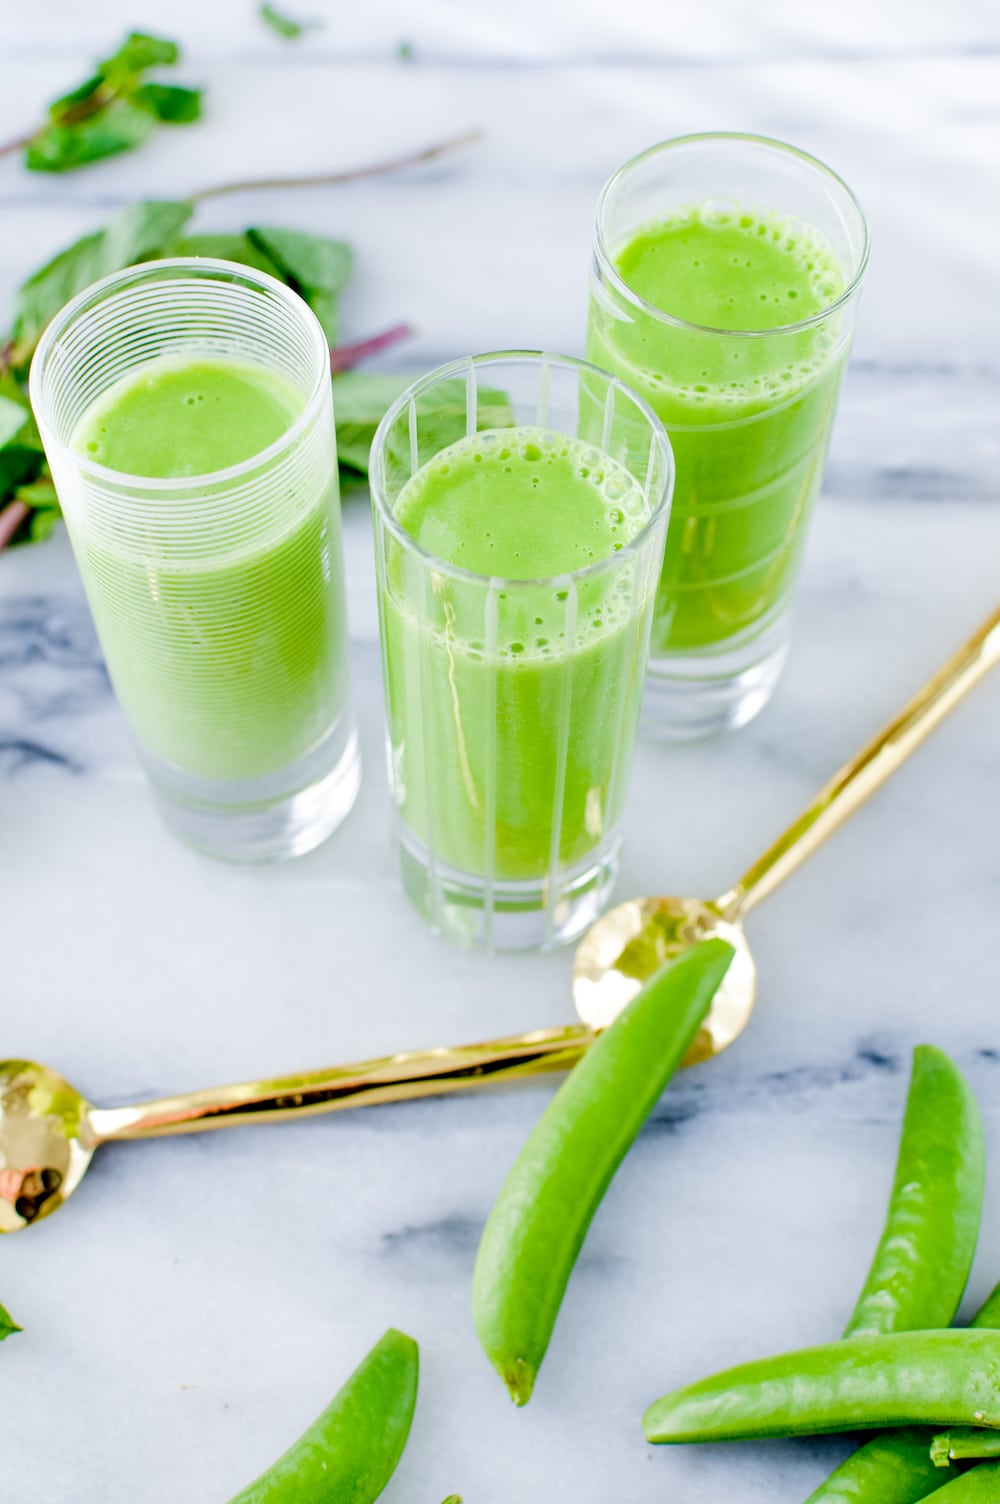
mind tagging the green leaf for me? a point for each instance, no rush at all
(324, 306)
(67, 104)
(284, 25)
(39, 494)
(46, 512)
(19, 465)
(169, 102)
(405, 52)
(138, 233)
(359, 402)
(137, 52)
(239, 248)
(12, 419)
(7, 1324)
(118, 127)
(40, 525)
(312, 263)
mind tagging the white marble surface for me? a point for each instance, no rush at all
(200, 1300)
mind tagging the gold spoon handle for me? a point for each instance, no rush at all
(859, 778)
(394, 1078)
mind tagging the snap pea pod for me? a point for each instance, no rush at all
(912, 1378)
(541, 1216)
(892, 1468)
(922, 1264)
(964, 1444)
(349, 1454)
(931, 1192)
(981, 1485)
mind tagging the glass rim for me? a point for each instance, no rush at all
(608, 268)
(217, 269)
(458, 368)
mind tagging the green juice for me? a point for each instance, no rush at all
(749, 414)
(513, 690)
(227, 651)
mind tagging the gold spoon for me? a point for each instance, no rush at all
(49, 1132)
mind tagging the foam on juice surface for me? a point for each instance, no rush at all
(730, 270)
(524, 505)
(181, 417)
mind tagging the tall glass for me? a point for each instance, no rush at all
(749, 409)
(512, 704)
(218, 597)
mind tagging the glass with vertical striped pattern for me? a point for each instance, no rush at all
(520, 505)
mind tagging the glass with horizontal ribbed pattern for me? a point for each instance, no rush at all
(217, 588)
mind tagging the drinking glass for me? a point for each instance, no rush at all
(218, 598)
(512, 705)
(749, 412)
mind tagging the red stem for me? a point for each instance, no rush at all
(345, 356)
(10, 520)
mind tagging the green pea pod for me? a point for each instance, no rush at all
(540, 1219)
(349, 1454)
(892, 1469)
(914, 1378)
(981, 1485)
(987, 1318)
(922, 1265)
(964, 1445)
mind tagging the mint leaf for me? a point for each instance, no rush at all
(138, 233)
(312, 262)
(40, 496)
(19, 465)
(68, 104)
(359, 403)
(239, 248)
(119, 126)
(138, 52)
(169, 102)
(7, 1324)
(12, 419)
(324, 306)
(284, 25)
(313, 265)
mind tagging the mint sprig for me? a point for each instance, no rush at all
(115, 109)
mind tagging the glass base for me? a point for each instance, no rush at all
(266, 819)
(690, 696)
(508, 916)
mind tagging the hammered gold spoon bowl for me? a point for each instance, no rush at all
(49, 1131)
